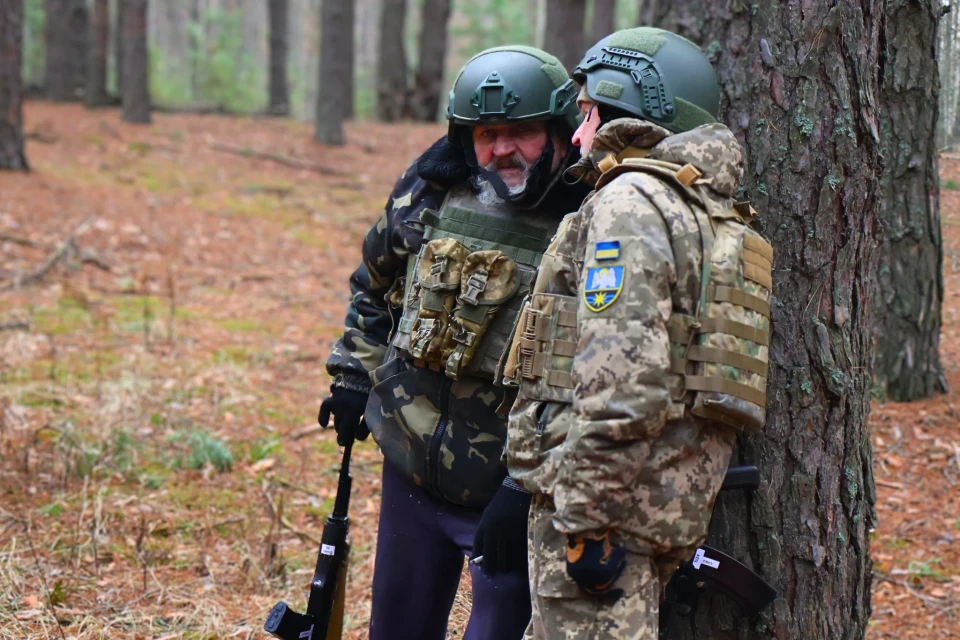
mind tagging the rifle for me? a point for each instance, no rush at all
(324, 617)
(710, 569)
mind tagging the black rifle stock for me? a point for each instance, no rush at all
(324, 617)
(710, 569)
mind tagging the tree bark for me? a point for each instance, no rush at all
(12, 155)
(428, 85)
(392, 62)
(801, 91)
(651, 12)
(136, 83)
(66, 44)
(279, 95)
(910, 291)
(336, 36)
(96, 90)
(564, 33)
(603, 20)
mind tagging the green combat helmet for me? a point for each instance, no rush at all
(512, 84)
(653, 74)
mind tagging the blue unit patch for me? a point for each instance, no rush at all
(603, 286)
(609, 250)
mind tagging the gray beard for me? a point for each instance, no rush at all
(488, 196)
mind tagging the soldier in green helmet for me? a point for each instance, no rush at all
(443, 276)
(641, 346)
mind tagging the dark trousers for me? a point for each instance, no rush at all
(421, 547)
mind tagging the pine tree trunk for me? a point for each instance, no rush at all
(428, 86)
(136, 84)
(564, 35)
(392, 62)
(66, 44)
(279, 95)
(96, 90)
(603, 20)
(336, 36)
(11, 86)
(910, 291)
(651, 12)
(118, 31)
(801, 91)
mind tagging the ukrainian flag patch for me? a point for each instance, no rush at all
(603, 286)
(609, 250)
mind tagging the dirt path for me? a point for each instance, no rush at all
(147, 457)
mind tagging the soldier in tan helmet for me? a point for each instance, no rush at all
(642, 347)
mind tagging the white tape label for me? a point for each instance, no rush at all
(328, 549)
(700, 558)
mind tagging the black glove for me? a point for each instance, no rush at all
(347, 407)
(595, 563)
(501, 537)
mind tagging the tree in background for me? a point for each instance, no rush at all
(392, 62)
(118, 38)
(650, 12)
(279, 95)
(564, 36)
(336, 36)
(11, 86)
(66, 38)
(428, 85)
(95, 93)
(910, 293)
(949, 55)
(802, 93)
(135, 71)
(602, 24)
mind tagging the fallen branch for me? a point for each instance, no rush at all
(66, 250)
(287, 161)
(40, 136)
(299, 434)
(888, 485)
(23, 242)
(15, 325)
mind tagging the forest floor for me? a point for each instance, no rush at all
(161, 365)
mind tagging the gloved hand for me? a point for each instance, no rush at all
(595, 563)
(347, 407)
(501, 537)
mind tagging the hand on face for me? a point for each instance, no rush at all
(583, 136)
(509, 149)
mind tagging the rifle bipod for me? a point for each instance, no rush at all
(714, 570)
(324, 617)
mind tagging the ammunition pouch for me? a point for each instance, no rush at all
(465, 287)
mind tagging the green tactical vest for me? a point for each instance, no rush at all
(464, 289)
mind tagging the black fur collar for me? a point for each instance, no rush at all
(443, 163)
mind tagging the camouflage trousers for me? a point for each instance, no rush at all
(562, 612)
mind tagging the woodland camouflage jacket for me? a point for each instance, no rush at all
(626, 261)
(444, 434)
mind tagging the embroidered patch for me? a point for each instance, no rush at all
(603, 286)
(607, 250)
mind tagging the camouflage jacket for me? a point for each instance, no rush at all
(605, 450)
(444, 434)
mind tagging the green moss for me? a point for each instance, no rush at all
(804, 123)
(951, 185)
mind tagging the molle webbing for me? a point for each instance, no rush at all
(522, 242)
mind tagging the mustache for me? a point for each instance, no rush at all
(513, 161)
